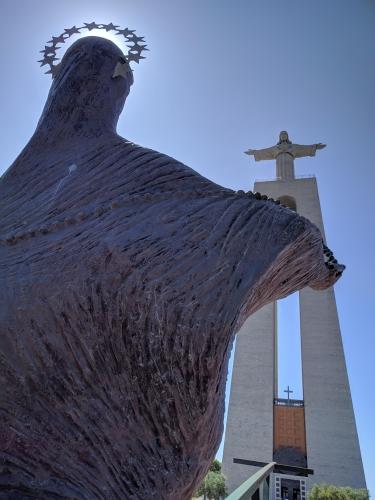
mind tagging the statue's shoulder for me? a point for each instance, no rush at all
(132, 152)
(148, 167)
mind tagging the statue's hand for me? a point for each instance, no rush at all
(250, 151)
(320, 145)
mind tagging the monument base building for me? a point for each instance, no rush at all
(315, 437)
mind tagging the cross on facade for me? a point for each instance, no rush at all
(289, 391)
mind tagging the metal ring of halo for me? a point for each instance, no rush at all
(49, 52)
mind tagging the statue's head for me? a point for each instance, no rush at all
(283, 137)
(90, 86)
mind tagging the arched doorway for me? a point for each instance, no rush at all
(288, 201)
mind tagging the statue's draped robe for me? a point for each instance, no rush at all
(124, 276)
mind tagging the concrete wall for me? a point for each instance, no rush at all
(332, 442)
(249, 430)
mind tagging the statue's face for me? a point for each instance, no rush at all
(284, 136)
(123, 70)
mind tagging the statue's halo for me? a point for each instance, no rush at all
(134, 50)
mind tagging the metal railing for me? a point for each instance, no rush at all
(305, 176)
(257, 487)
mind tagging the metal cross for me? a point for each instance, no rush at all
(289, 392)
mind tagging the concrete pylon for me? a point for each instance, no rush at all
(249, 429)
(332, 447)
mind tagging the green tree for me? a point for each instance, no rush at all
(215, 466)
(213, 485)
(330, 492)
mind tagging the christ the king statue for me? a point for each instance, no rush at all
(284, 152)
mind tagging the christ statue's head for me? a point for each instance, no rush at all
(283, 137)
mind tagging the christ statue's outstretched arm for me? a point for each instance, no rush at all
(298, 150)
(263, 154)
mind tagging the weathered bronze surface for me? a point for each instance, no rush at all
(124, 276)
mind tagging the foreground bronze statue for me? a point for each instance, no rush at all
(124, 278)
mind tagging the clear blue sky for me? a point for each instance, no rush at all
(222, 77)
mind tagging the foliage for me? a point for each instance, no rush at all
(213, 485)
(215, 466)
(330, 492)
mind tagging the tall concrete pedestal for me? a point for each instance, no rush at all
(332, 447)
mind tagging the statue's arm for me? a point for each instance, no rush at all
(299, 150)
(263, 154)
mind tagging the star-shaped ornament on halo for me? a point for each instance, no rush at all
(52, 70)
(91, 26)
(48, 50)
(125, 32)
(137, 47)
(136, 39)
(134, 57)
(47, 60)
(109, 27)
(72, 31)
(57, 39)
